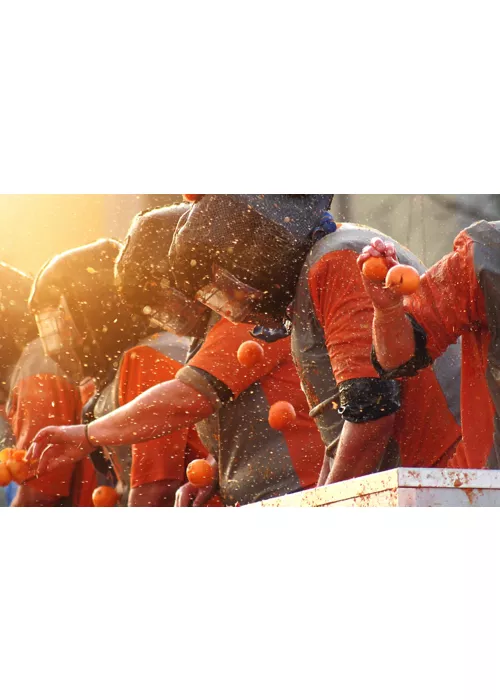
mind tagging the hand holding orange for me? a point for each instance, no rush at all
(105, 497)
(200, 473)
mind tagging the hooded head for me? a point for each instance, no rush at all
(17, 325)
(82, 322)
(241, 255)
(144, 275)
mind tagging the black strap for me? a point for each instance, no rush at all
(368, 399)
(101, 464)
(224, 393)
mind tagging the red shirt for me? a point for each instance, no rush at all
(143, 367)
(41, 395)
(451, 303)
(255, 462)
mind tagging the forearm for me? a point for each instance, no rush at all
(393, 337)
(360, 448)
(159, 411)
(325, 471)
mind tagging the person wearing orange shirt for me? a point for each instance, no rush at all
(41, 394)
(33, 391)
(228, 402)
(83, 329)
(158, 467)
(459, 297)
(282, 262)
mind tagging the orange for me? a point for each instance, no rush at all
(19, 467)
(6, 454)
(250, 354)
(200, 473)
(192, 197)
(5, 475)
(281, 415)
(403, 279)
(105, 497)
(375, 269)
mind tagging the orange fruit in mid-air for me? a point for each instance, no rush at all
(250, 354)
(192, 197)
(375, 269)
(105, 497)
(403, 279)
(200, 473)
(281, 415)
(5, 475)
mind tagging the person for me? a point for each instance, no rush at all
(83, 330)
(158, 467)
(249, 256)
(17, 328)
(228, 402)
(458, 297)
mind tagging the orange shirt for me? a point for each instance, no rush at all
(333, 342)
(255, 462)
(41, 395)
(143, 367)
(458, 297)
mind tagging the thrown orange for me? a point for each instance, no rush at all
(250, 354)
(281, 415)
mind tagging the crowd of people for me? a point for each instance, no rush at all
(121, 364)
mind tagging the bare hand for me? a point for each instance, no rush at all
(382, 298)
(58, 445)
(189, 495)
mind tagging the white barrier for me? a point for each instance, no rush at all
(402, 488)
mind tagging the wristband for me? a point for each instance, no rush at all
(87, 436)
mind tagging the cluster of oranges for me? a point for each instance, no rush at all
(13, 466)
(403, 279)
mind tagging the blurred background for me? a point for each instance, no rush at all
(33, 228)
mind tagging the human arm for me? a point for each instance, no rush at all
(447, 303)
(159, 411)
(345, 314)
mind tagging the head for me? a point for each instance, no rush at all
(17, 325)
(241, 255)
(144, 276)
(82, 322)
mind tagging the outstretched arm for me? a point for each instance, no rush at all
(159, 411)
